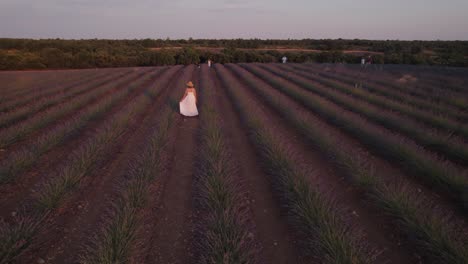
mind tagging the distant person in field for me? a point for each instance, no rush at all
(209, 63)
(284, 59)
(188, 103)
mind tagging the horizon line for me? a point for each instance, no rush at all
(263, 39)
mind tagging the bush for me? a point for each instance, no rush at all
(18, 54)
(55, 58)
(9, 61)
(188, 56)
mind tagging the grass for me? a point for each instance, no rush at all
(401, 95)
(24, 158)
(435, 233)
(425, 88)
(415, 160)
(430, 231)
(224, 235)
(14, 238)
(89, 154)
(429, 119)
(114, 246)
(83, 160)
(455, 151)
(27, 111)
(23, 97)
(20, 130)
(314, 214)
(440, 100)
(114, 242)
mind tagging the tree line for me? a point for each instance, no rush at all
(17, 54)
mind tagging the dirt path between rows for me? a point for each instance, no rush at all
(43, 85)
(20, 190)
(171, 239)
(80, 217)
(327, 180)
(391, 172)
(277, 245)
(32, 134)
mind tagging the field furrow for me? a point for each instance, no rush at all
(22, 88)
(285, 163)
(441, 143)
(59, 97)
(296, 181)
(435, 121)
(407, 205)
(406, 84)
(22, 129)
(42, 154)
(419, 163)
(276, 244)
(436, 105)
(328, 175)
(49, 88)
(128, 173)
(78, 167)
(225, 231)
(173, 231)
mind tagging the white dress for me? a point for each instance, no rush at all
(188, 106)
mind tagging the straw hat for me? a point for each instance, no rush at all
(190, 84)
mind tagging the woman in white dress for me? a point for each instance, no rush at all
(188, 103)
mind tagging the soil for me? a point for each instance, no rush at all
(277, 244)
(433, 195)
(170, 242)
(327, 181)
(56, 109)
(439, 203)
(20, 190)
(38, 88)
(168, 223)
(79, 218)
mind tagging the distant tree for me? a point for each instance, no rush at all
(166, 58)
(102, 58)
(60, 53)
(229, 53)
(31, 61)
(148, 43)
(416, 49)
(377, 59)
(9, 61)
(220, 58)
(188, 55)
(239, 56)
(144, 58)
(82, 59)
(252, 57)
(55, 58)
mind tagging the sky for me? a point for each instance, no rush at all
(272, 19)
